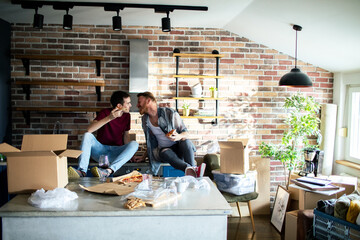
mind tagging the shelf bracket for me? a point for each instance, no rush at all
(26, 63)
(98, 92)
(98, 67)
(26, 115)
(26, 89)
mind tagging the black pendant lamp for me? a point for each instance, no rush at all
(295, 78)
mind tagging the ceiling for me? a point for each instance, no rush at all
(330, 37)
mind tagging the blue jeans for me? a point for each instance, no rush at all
(117, 155)
(179, 156)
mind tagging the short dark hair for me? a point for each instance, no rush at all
(118, 97)
(147, 95)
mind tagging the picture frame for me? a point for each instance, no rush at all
(281, 203)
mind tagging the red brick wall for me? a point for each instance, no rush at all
(252, 105)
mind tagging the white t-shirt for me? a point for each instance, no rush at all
(163, 141)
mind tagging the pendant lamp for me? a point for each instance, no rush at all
(295, 78)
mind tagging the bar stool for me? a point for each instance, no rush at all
(213, 163)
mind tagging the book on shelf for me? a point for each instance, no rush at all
(315, 187)
(315, 181)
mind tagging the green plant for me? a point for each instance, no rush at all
(186, 106)
(302, 122)
(213, 89)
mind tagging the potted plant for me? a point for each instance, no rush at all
(213, 92)
(186, 109)
(302, 121)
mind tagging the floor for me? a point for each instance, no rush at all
(241, 228)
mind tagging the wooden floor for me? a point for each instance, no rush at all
(240, 228)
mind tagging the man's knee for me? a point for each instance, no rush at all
(88, 135)
(134, 144)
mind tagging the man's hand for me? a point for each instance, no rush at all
(137, 159)
(174, 136)
(115, 113)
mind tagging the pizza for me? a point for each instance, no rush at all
(134, 178)
(134, 203)
(170, 133)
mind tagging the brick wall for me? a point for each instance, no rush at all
(252, 105)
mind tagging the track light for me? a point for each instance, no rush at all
(67, 22)
(165, 23)
(117, 22)
(38, 20)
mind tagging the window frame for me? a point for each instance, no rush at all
(350, 132)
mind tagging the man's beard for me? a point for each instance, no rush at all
(143, 110)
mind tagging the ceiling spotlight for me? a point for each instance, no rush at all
(295, 78)
(68, 20)
(117, 22)
(38, 20)
(165, 23)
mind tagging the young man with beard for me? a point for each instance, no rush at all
(112, 126)
(174, 148)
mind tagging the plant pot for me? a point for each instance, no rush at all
(213, 94)
(186, 112)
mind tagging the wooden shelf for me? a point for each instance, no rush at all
(202, 116)
(26, 110)
(26, 60)
(197, 76)
(57, 83)
(197, 98)
(215, 54)
(26, 85)
(59, 109)
(349, 164)
(198, 55)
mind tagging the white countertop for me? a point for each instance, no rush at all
(192, 202)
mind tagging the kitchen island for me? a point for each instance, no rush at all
(198, 214)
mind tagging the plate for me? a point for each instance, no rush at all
(196, 96)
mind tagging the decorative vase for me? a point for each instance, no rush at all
(186, 112)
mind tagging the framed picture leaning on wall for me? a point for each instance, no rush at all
(280, 206)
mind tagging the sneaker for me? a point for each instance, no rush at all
(74, 173)
(200, 170)
(190, 171)
(99, 172)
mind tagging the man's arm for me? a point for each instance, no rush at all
(95, 125)
(126, 137)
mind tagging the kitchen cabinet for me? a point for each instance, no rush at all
(215, 54)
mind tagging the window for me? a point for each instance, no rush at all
(353, 140)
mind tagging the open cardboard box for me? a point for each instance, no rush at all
(234, 156)
(41, 163)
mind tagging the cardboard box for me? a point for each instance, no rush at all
(41, 163)
(308, 200)
(349, 183)
(291, 225)
(234, 156)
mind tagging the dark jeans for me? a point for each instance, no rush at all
(179, 156)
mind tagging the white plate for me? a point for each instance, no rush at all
(196, 96)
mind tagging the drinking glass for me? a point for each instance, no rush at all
(104, 161)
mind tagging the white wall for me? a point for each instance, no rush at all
(341, 82)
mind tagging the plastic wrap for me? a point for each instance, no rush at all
(237, 184)
(59, 198)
